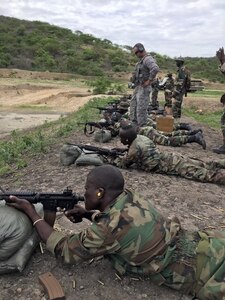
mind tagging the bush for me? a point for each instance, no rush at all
(100, 86)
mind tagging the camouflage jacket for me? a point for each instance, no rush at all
(169, 84)
(222, 68)
(142, 155)
(183, 77)
(131, 233)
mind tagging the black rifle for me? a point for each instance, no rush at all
(89, 127)
(111, 109)
(158, 111)
(115, 152)
(50, 201)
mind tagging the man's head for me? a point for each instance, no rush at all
(170, 75)
(179, 61)
(127, 134)
(103, 185)
(139, 50)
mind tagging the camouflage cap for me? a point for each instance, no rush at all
(169, 74)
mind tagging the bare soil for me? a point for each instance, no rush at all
(198, 205)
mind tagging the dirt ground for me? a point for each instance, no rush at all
(198, 205)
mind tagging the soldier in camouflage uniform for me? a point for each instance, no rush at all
(182, 84)
(144, 155)
(220, 55)
(143, 76)
(154, 94)
(137, 239)
(182, 127)
(175, 140)
(168, 90)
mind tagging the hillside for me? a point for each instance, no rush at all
(39, 46)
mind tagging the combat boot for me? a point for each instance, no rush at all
(193, 132)
(219, 150)
(185, 126)
(197, 138)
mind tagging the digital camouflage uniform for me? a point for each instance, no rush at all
(181, 84)
(175, 139)
(144, 155)
(145, 69)
(154, 94)
(139, 241)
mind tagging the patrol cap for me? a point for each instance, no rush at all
(179, 59)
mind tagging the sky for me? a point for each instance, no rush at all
(174, 28)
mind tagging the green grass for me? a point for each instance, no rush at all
(207, 93)
(20, 147)
(210, 119)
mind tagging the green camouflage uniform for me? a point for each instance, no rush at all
(175, 140)
(139, 241)
(168, 91)
(176, 128)
(144, 155)
(154, 94)
(183, 78)
(222, 69)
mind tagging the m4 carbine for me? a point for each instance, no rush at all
(89, 127)
(102, 151)
(111, 109)
(50, 201)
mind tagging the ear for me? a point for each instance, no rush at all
(100, 193)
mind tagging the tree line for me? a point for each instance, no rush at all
(40, 46)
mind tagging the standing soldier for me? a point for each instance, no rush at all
(168, 89)
(220, 55)
(154, 94)
(182, 84)
(143, 76)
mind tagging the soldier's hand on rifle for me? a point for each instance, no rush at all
(220, 55)
(146, 83)
(75, 215)
(120, 150)
(20, 204)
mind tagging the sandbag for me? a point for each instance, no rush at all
(102, 136)
(19, 259)
(18, 238)
(68, 154)
(89, 159)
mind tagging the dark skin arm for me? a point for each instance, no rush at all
(77, 213)
(44, 228)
